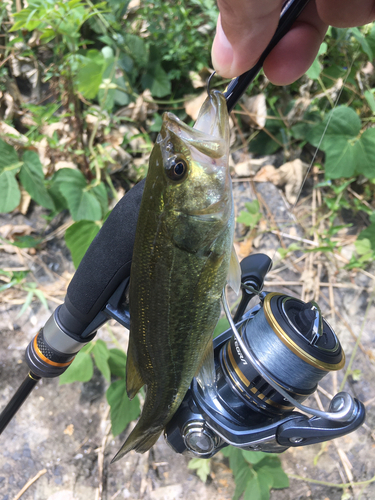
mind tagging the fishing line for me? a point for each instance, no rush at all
(319, 144)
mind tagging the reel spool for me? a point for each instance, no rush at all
(292, 345)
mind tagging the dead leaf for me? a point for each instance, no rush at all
(257, 110)
(141, 108)
(42, 149)
(13, 137)
(289, 176)
(8, 231)
(268, 173)
(193, 106)
(196, 80)
(69, 430)
(23, 207)
(64, 164)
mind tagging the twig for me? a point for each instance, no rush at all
(29, 483)
(332, 485)
(99, 491)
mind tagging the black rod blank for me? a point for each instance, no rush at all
(18, 399)
(290, 11)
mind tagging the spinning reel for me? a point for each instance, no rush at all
(266, 364)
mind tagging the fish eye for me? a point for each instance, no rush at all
(176, 168)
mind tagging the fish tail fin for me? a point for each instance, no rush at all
(140, 440)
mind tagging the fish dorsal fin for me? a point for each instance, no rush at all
(234, 274)
(133, 378)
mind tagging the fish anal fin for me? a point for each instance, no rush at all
(134, 379)
(234, 274)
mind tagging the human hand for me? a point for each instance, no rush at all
(245, 27)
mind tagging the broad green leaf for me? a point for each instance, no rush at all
(10, 194)
(339, 129)
(342, 122)
(201, 466)
(90, 74)
(78, 238)
(370, 100)
(369, 234)
(117, 362)
(101, 355)
(363, 42)
(253, 457)
(123, 411)
(272, 466)
(136, 47)
(32, 178)
(156, 79)
(253, 490)
(100, 193)
(364, 151)
(81, 370)
(82, 203)
(315, 69)
(8, 155)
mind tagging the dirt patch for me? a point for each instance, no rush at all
(65, 429)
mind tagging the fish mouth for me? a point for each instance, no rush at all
(210, 134)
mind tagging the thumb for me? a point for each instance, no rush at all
(244, 29)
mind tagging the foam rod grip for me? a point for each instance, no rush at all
(104, 266)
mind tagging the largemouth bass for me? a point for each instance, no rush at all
(181, 259)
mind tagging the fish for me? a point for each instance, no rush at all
(183, 252)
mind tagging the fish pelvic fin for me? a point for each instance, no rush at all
(134, 379)
(140, 440)
(234, 274)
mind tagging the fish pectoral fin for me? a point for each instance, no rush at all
(234, 274)
(134, 379)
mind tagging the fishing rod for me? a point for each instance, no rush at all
(252, 407)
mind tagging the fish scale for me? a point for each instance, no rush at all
(180, 264)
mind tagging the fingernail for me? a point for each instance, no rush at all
(222, 52)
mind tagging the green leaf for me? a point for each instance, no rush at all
(123, 411)
(252, 490)
(370, 100)
(340, 142)
(90, 74)
(32, 179)
(201, 466)
(8, 155)
(78, 238)
(10, 194)
(363, 42)
(364, 151)
(271, 465)
(100, 193)
(315, 69)
(156, 79)
(254, 457)
(82, 203)
(117, 362)
(101, 355)
(81, 370)
(137, 49)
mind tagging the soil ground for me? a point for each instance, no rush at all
(64, 430)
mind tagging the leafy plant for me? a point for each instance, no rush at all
(251, 216)
(201, 466)
(255, 473)
(111, 363)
